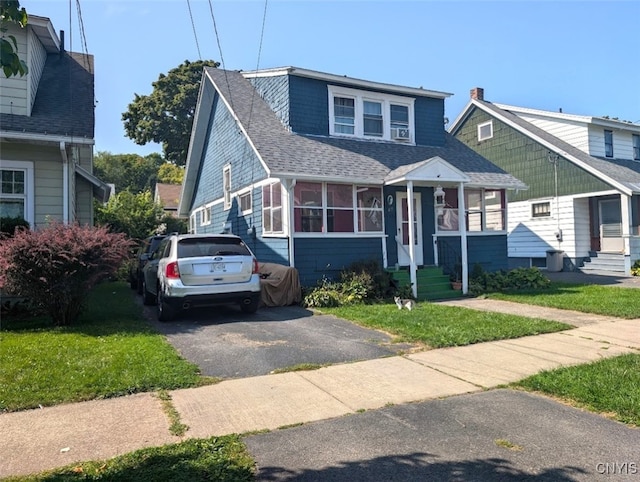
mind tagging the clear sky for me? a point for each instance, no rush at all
(581, 56)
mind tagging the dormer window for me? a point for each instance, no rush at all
(608, 143)
(370, 115)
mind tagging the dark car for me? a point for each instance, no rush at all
(142, 256)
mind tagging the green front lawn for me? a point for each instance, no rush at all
(223, 459)
(440, 326)
(110, 352)
(610, 386)
(597, 299)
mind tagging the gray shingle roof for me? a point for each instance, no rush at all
(64, 102)
(625, 172)
(289, 154)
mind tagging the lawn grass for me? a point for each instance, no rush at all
(223, 459)
(610, 386)
(110, 351)
(441, 326)
(597, 299)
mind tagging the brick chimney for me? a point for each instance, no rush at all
(477, 93)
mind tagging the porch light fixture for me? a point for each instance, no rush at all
(438, 197)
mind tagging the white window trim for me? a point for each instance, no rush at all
(385, 99)
(535, 203)
(240, 194)
(484, 124)
(226, 186)
(29, 188)
(282, 206)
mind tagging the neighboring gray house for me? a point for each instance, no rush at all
(315, 171)
(47, 132)
(583, 174)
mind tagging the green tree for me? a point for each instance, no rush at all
(170, 173)
(11, 13)
(136, 215)
(166, 115)
(129, 172)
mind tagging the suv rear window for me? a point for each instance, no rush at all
(194, 247)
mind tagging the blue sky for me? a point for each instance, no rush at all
(583, 57)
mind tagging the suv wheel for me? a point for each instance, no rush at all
(250, 307)
(147, 298)
(164, 311)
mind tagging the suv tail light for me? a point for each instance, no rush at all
(172, 271)
(256, 266)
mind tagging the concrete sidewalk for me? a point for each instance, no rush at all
(46, 438)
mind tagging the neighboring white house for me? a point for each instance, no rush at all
(47, 131)
(583, 174)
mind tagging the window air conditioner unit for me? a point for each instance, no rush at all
(399, 133)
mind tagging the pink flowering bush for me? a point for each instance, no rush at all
(55, 267)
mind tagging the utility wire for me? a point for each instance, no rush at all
(84, 48)
(193, 25)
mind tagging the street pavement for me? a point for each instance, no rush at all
(390, 418)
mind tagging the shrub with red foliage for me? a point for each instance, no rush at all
(55, 267)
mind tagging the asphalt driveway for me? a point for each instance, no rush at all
(226, 343)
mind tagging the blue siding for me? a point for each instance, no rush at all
(309, 106)
(275, 91)
(429, 121)
(318, 257)
(490, 252)
(225, 144)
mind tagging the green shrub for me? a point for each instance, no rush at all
(325, 295)
(8, 225)
(481, 281)
(55, 267)
(635, 269)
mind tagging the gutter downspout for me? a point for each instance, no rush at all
(463, 239)
(412, 237)
(65, 183)
(289, 186)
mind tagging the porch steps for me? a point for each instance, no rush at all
(607, 262)
(432, 283)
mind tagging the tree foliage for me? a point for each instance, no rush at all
(11, 13)
(170, 173)
(129, 172)
(56, 266)
(166, 115)
(137, 215)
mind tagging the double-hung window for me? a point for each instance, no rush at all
(344, 115)
(370, 115)
(272, 208)
(608, 143)
(636, 147)
(226, 186)
(13, 198)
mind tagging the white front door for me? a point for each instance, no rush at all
(402, 238)
(611, 226)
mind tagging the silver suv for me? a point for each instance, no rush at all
(194, 270)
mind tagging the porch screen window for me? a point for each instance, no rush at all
(339, 208)
(307, 208)
(12, 193)
(369, 200)
(372, 118)
(484, 211)
(272, 208)
(636, 147)
(608, 143)
(344, 115)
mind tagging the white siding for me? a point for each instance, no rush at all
(531, 237)
(13, 91)
(572, 132)
(622, 142)
(37, 59)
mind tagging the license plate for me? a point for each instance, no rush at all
(218, 267)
